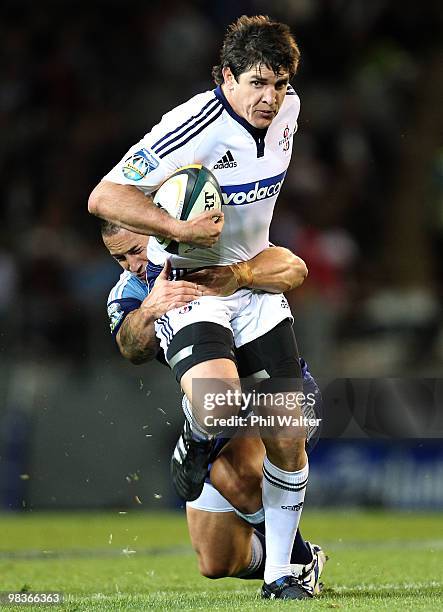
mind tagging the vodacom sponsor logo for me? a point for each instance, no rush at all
(236, 195)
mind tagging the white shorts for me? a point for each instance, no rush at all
(210, 500)
(248, 314)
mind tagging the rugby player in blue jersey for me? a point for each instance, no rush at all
(226, 521)
(250, 120)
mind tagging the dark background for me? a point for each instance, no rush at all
(362, 204)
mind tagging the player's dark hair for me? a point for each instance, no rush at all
(108, 228)
(257, 40)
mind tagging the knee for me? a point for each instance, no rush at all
(214, 568)
(290, 452)
(290, 446)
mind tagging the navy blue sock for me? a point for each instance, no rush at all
(259, 573)
(260, 527)
(301, 553)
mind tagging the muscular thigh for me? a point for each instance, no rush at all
(237, 472)
(220, 539)
(213, 376)
(272, 361)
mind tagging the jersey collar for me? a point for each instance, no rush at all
(258, 134)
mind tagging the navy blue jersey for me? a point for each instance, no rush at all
(126, 295)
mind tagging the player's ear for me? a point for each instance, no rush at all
(228, 76)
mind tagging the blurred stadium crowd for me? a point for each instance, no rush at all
(362, 202)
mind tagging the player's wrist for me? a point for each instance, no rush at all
(149, 313)
(243, 274)
(177, 230)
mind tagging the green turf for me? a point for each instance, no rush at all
(140, 561)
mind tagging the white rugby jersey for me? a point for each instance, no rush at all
(249, 163)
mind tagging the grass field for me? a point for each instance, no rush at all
(138, 561)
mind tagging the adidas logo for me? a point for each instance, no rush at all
(227, 161)
(295, 507)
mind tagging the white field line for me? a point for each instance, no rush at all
(388, 587)
(431, 544)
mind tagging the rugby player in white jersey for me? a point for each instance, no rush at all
(249, 120)
(225, 521)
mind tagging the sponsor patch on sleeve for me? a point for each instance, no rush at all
(139, 164)
(115, 314)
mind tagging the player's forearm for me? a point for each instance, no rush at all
(275, 270)
(136, 337)
(128, 207)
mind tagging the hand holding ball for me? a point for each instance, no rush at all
(186, 194)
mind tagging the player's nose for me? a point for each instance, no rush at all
(270, 95)
(135, 265)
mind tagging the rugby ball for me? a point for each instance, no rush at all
(187, 193)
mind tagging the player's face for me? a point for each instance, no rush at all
(129, 249)
(257, 95)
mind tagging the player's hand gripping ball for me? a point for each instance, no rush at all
(187, 193)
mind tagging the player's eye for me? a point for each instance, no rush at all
(256, 83)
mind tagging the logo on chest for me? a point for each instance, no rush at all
(227, 161)
(285, 142)
(248, 193)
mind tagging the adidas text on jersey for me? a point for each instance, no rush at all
(227, 161)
